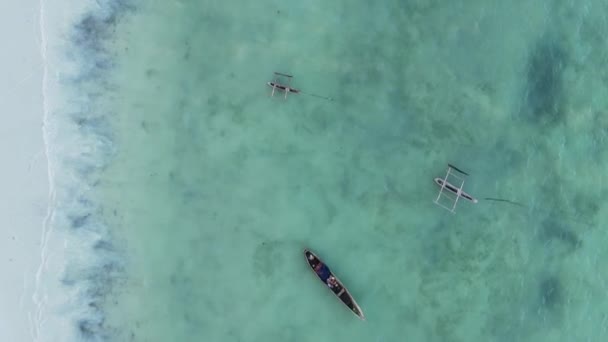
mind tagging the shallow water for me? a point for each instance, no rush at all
(215, 189)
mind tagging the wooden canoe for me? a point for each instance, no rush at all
(332, 282)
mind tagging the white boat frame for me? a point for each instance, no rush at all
(447, 189)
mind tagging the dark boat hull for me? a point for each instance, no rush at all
(282, 87)
(338, 289)
(453, 189)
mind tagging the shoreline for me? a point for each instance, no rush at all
(79, 262)
(24, 177)
(60, 262)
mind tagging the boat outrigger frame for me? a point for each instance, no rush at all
(450, 191)
(282, 86)
(282, 82)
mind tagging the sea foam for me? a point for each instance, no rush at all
(79, 261)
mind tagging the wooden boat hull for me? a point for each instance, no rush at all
(282, 87)
(338, 289)
(451, 188)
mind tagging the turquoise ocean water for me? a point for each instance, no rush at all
(209, 189)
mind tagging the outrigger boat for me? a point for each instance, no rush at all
(282, 83)
(448, 190)
(333, 283)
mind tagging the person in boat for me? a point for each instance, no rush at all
(322, 271)
(332, 282)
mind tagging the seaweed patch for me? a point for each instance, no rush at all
(88, 329)
(93, 265)
(551, 292)
(552, 231)
(104, 245)
(544, 98)
(79, 221)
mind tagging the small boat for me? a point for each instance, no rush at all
(282, 87)
(332, 282)
(453, 189)
(282, 83)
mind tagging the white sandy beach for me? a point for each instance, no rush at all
(24, 173)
